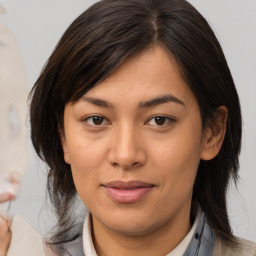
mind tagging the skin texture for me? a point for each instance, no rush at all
(128, 143)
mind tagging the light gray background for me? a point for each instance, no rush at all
(38, 26)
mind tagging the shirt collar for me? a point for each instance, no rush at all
(181, 248)
(87, 237)
(203, 241)
(198, 242)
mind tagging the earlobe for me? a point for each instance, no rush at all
(214, 134)
(64, 146)
(66, 157)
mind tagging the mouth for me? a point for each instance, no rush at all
(127, 192)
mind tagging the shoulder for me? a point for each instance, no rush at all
(242, 247)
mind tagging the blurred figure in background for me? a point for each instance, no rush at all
(13, 113)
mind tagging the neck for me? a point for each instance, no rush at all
(157, 242)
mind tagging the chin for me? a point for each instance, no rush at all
(130, 222)
(132, 229)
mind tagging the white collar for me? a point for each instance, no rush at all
(179, 250)
(88, 245)
(182, 246)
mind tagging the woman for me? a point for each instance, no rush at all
(137, 113)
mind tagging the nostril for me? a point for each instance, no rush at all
(135, 164)
(115, 164)
(126, 156)
(127, 166)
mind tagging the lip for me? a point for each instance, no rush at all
(127, 192)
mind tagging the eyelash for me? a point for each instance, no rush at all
(162, 118)
(167, 120)
(86, 120)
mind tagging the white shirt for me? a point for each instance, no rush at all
(179, 250)
(27, 241)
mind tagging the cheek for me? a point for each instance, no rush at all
(178, 157)
(84, 164)
(182, 148)
(86, 160)
(85, 152)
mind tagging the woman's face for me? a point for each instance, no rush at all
(134, 143)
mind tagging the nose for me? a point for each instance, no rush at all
(127, 150)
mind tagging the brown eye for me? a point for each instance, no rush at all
(160, 121)
(95, 121)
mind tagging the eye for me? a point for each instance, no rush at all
(95, 121)
(160, 121)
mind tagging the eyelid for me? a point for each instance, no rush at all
(86, 118)
(169, 118)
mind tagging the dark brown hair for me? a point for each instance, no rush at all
(94, 45)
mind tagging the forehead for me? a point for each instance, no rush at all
(151, 73)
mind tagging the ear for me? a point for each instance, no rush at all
(214, 134)
(64, 145)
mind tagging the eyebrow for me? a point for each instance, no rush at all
(145, 104)
(161, 100)
(98, 102)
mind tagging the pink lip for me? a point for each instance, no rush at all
(127, 192)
